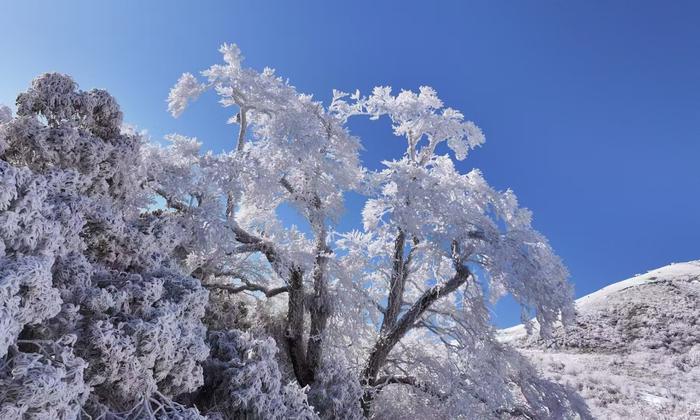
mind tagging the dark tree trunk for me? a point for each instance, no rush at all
(319, 309)
(396, 285)
(295, 327)
(387, 341)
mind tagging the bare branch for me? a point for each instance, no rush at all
(230, 205)
(245, 248)
(246, 286)
(315, 201)
(256, 243)
(287, 186)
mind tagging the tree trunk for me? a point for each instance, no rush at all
(386, 342)
(396, 285)
(295, 327)
(318, 308)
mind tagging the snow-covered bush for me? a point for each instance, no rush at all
(244, 381)
(95, 318)
(337, 391)
(42, 380)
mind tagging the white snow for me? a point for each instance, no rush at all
(635, 349)
(676, 270)
(687, 270)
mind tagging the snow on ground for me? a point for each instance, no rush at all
(689, 271)
(634, 351)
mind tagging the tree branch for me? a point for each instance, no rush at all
(295, 306)
(295, 328)
(255, 243)
(396, 284)
(242, 249)
(383, 381)
(242, 113)
(315, 201)
(387, 341)
(246, 286)
(170, 201)
(269, 292)
(384, 345)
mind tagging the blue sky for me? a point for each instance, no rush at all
(591, 109)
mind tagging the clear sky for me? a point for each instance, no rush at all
(591, 109)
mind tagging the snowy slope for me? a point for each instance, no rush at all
(635, 349)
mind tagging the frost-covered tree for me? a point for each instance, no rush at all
(140, 280)
(291, 151)
(388, 321)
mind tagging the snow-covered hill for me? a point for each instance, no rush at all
(635, 349)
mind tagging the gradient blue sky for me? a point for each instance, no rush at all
(591, 109)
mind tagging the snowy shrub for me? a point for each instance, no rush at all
(242, 378)
(46, 381)
(337, 392)
(95, 318)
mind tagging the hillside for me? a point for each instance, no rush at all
(635, 349)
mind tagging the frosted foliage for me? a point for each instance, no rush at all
(186, 89)
(159, 348)
(48, 383)
(95, 319)
(337, 393)
(5, 114)
(436, 205)
(439, 219)
(466, 373)
(82, 134)
(243, 379)
(425, 197)
(27, 296)
(415, 116)
(31, 235)
(279, 128)
(200, 183)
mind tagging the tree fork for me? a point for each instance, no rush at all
(387, 341)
